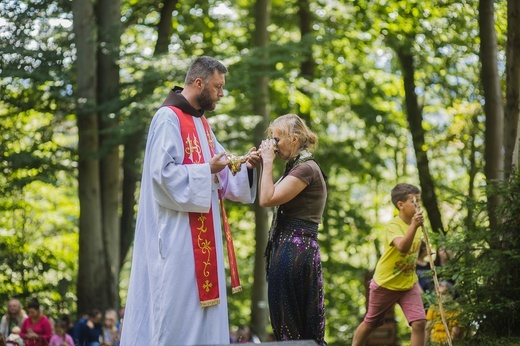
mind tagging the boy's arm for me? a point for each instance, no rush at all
(404, 244)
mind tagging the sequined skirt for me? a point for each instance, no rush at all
(295, 290)
(288, 227)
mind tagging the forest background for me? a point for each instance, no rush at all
(398, 91)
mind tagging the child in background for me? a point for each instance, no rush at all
(395, 280)
(60, 337)
(110, 336)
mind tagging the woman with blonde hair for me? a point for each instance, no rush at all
(293, 263)
(110, 336)
(14, 317)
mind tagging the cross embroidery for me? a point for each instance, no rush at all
(207, 285)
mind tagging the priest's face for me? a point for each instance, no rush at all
(212, 92)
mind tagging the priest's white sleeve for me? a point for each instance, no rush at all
(185, 188)
(238, 187)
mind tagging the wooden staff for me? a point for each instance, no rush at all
(435, 280)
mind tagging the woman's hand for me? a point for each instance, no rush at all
(31, 334)
(267, 147)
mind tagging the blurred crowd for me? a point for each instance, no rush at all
(29, 326)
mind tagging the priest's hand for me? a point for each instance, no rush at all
(218, 163)
(253, 158)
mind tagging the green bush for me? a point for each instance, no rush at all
(486, 268)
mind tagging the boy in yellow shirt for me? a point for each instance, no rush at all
(395, 280)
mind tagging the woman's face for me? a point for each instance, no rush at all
(109, 321)
(444, 254)
(14, 307)
(286, 145)
(33, 313)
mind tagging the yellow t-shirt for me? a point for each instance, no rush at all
(395, 270)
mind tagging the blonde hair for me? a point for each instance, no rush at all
(291, 124)
(111, 314)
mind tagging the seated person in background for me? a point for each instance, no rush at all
(110, 335)
(60, 337)
(424, 270)
(36, 329)
(88, 331)
(68, 322)
(14, 317)
(424, 273)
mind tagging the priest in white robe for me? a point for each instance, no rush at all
(164, 305)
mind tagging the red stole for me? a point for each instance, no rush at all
(201, 224)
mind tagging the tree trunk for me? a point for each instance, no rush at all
(109, 33)
(307, 67)
(259, 305)
(131, 173)
(165, 28)
(91, 259)
(472, 172)
(494, 167)
(306, 20)
(414, 115)
(134, 143)
(512, 111)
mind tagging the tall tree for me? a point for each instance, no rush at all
(415, 118)
(308, 65)
(97, 36)
(165, 27)
(493, 107)
(512, 111)
(306, 20)
(403, 40)
(108, 15)
(90, 289)
(259, 306)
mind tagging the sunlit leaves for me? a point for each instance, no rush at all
(39, 243)
(354, 103)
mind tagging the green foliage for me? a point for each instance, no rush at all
(485, 266)
(38, 207)
(39, 244)
(243, 228)
(354, 103)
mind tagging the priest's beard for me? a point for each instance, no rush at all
(205, 101)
